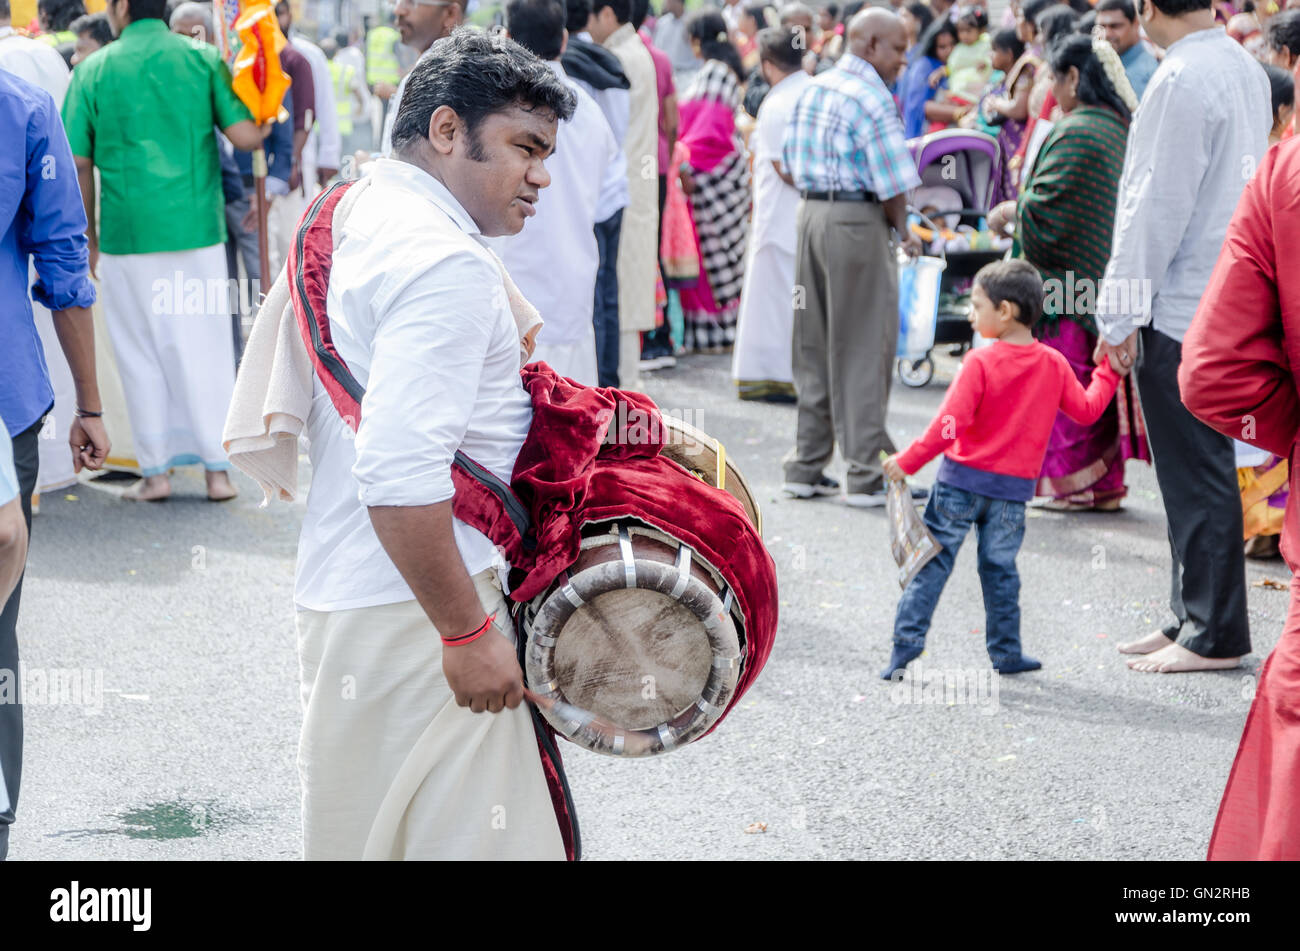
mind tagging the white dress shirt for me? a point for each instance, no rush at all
(38, 63)
(419, 314)
(616, 106)
(1200, 131)
(554, 258)
(325, 144)
(776, 204)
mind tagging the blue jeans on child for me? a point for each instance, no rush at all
(1000, 526)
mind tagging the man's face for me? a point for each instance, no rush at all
(826, 21)
(424, 22)
(498, 182)
(85, 46)
(888, 54)
(285, 17)
(1119, 32)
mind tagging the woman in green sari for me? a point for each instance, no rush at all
(1064, 218)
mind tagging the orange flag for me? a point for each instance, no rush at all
(258, 79)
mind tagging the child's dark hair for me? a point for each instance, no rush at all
(1009, 41)
(1016, 281)
(975, 17)
(1282, 85)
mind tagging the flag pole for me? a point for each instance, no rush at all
(263, 252)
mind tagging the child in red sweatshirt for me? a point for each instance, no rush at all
(992, 429)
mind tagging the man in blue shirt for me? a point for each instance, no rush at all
(41, 221)
(1118, 20)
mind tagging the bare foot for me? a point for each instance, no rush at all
(220, 488)
(149, 489)
(1154, 641)
(1176, 659)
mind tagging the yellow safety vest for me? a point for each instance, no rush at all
(342, 77)
(54, 39)
(381, 60)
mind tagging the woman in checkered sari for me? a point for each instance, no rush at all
(716, 179)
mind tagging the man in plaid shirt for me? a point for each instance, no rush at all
(845, 152)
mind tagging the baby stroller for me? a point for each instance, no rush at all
(960, 174)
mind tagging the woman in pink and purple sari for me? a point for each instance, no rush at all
(715, 176)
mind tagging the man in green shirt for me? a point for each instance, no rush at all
(142, 111)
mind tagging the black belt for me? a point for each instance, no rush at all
(839, 196)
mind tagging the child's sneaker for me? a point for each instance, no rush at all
(902, 655)
(1017, 665)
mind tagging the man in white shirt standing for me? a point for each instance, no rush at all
(1202, 128)
(555, 258)
(421, 23)
(638, 242)
(762, 368)
(393, 763)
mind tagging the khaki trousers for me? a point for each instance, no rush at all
(844, 339)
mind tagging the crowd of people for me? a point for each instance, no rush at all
(731, 179)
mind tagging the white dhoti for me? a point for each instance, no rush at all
(391, 767)
(577, 361)
(55, 469)
(281, 222)
(168, 318)
(762, 362)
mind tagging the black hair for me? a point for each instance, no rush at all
(973, 16)
(1016, 281)
(1085, 23)
(147, 10)
(923, 15)
(1031, 10)
(1176, 8)
(1080, 6)
(756, 10)
(5, 12)
(341, 38)
(833, 10)
(1009, 41)
(781, 46)
(707, 26)
(1284, 30)
(96, 24)
(1123, 6)
(640, 10)
(61, 12)
(1055, 23)
(577, 12)
(622, 8)
(477, 74)
(850, 11)
(1095, 88)
(537, 26)
(1282, 85)
(930, 38)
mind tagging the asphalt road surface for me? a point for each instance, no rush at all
(182, 613)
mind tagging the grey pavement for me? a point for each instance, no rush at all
(185, 610)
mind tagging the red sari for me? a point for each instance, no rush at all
(1237, 377)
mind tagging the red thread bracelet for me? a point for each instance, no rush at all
(472, 635)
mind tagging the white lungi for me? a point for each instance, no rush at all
(764, 335)
(174, 352)
(54, 468)
(577, 361)
(391, 767)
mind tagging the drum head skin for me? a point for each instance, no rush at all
(636, 650)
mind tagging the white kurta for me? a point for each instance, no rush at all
(764, 333)
(638, 245)
(554, 258)
(168, 317)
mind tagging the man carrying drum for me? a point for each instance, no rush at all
(405, 638)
